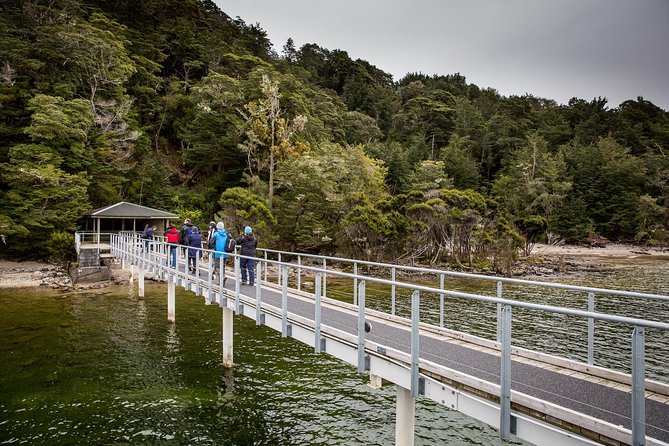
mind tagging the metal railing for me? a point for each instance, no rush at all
(131, 247)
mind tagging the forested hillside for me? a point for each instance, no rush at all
(173, 104)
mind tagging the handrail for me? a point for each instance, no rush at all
(129, 245)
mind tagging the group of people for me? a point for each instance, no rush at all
(219, 240)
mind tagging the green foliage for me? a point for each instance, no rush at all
(240, 208)
(60, 248)
(175, 105)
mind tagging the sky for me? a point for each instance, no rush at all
(556, 49)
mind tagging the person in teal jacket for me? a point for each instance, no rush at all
(220, 237)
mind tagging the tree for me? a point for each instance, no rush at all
(268, 129)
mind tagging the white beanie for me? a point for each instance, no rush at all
(220, 225)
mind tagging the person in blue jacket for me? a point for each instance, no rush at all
(220, 237)
(194, 243)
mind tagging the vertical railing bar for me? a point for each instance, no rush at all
(361, 327)
(299, 273)
(325, 279)
(591, 329)
(415, 342)
(505, 375)
(441, 300)
(355, 283)
(258, 292)
(284, 301)
(499, 312)
(279, 272)
(210, 280)
(392, 291)
(638, 386)
(317, 315)
(236, 262)
(266, 267)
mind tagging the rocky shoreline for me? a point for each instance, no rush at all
(30, 274)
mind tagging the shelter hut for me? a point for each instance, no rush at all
(92, 243)
(124, 216)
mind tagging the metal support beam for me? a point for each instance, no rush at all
(404, 417)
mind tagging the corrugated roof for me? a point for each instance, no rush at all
(124, 209)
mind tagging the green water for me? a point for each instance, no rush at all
(106, 368)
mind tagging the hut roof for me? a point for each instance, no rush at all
(124, 209)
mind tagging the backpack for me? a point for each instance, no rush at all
(230, 243)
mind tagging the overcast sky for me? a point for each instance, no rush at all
(558, 49)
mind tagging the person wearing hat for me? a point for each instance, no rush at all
(220, 238)
(248, 252)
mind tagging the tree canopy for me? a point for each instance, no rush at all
(176, 105)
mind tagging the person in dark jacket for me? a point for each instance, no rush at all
(184, 233)
(249, 244)
(173, 239)
(194, 243)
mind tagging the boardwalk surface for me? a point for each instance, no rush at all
(602, 400)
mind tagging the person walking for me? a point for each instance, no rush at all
(220, 238)
(194, 248)
(172, 236)
(248, 251)
(184, 233)
(148, 236)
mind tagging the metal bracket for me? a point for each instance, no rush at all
(514, 425)
(241, 309)
(367, 363)
(421, 386)
(262, 318)
(381, 350)
(323, 343)
(289, 330)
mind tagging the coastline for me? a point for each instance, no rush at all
(27, 274)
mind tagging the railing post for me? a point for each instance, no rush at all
(266, 267)
(361, 327)
(441, 301)
(299, 273)
(210, 279)
(279, 272)
(317, 315)
(325, 279)
(591, 329)
(236, 263)
(638, 386)
(355, 283)
(258, 293)
(505, 375)
(499, 312)
(284, 302)
(392, 291)
(171, 299)
(415, 342)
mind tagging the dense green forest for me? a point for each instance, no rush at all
(175, 105)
